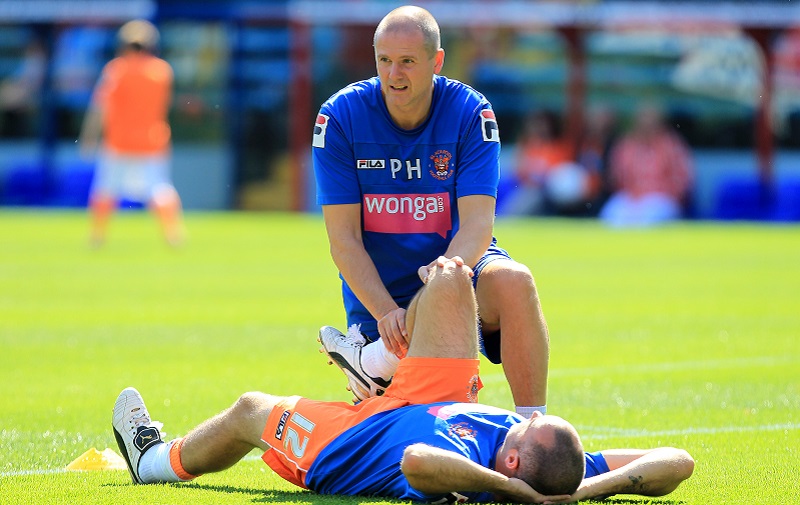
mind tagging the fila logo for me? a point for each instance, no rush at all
(282, 424)
(370, 164)
(320, 128)
(489, 128)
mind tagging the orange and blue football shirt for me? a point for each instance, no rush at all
(365, 458)
(406, 181)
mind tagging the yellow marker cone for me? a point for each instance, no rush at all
(96, 460)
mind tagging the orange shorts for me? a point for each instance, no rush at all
(298, 429)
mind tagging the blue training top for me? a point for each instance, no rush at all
(407, 181)
(365, 460)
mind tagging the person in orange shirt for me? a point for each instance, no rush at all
(548, 181)
(128, 112)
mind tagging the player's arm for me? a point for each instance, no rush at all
(91, 130)
(476, 216)
(343, 224)
(432, 470)
(653, 472)
(476, 186)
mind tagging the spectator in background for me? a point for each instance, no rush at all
(129, 111)
(548, 180)
(20, 92)
(594, 148)
(651, 173)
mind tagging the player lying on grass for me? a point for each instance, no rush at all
(416, 442)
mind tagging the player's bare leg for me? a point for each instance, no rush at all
(101, 207)
(214, 445)
(507, 298)
(166, 204)
(223, 440)
(442, 318)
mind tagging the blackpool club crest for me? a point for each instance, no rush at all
(441, 165)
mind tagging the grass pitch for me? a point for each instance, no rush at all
(685, 335)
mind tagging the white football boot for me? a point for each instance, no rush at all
(134, 430)
(345, 351)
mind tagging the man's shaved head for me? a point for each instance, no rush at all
(410, 18)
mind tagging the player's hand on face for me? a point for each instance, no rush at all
(519, 491)
(392, 329)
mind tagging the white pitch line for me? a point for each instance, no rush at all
(17, 473)
(753, 361)
(46, 471)
(634, 433)
(694, 365)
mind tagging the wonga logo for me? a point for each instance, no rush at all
(408, 213)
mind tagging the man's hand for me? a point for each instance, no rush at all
(582, 493)
(425, 270)
(517, 490)
(434, 470)
(393, 332)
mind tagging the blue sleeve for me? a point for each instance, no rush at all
(595, 464)
(334, 162)
(479, 173)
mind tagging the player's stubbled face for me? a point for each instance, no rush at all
(406, 72)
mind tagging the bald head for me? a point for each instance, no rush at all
(138, 34)
(410, 19)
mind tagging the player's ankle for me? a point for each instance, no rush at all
(377, 361)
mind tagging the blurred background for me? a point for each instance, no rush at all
(250, 76)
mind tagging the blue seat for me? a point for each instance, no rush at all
(72, 185)
(25, 184)
(787, 200)
(743, 198)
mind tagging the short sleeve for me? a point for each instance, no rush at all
(595, 464)
(334, 162)
(479, 170)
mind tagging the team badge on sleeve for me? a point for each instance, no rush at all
(321, 126)
(491, 133)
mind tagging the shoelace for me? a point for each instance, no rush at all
(140, 419)
(354, 335)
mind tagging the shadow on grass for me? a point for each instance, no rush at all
(261, 495)
(273, 496)
(638, 501)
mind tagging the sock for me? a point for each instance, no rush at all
(162, 463)
(527, 412)
(377, 361)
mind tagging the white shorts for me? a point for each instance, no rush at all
(134, 177)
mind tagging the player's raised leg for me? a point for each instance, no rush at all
(442, 319)
(507, 297)
(214, 445)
